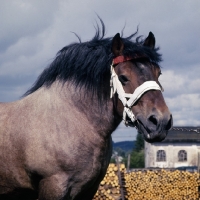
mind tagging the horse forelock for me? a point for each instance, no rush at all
(87, 64)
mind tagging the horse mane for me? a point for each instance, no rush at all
(87, 64)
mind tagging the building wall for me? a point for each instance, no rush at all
(171, 150)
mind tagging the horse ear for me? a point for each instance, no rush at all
(150, 41)
(117, 45)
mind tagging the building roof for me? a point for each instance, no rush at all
(183, 134)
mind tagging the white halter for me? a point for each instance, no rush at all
(116, 86)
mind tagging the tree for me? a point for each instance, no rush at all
(137, 155)
(139, 144)
(137, 159)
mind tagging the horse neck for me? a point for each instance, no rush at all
(80, 104)
(99, 113)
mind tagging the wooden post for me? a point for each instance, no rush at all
(128, 163)
(198, 162)
(120, 179)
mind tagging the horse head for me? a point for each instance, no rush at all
(136, 91)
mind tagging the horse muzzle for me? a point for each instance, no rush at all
(154, 128)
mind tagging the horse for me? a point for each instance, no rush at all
(55, 141)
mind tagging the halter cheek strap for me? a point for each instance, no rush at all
(127, 99)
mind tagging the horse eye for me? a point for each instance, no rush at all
(123, 79)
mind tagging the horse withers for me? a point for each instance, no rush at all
(55, 142)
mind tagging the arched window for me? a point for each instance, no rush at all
(182, 156)
(161, 155)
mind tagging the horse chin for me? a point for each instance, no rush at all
(151, 137)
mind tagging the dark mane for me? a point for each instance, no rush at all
(87, 64)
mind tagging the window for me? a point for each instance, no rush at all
(161, 155)
(182, 156)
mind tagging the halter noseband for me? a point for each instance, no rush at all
(127, 99)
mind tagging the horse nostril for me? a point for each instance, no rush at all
(153, 120)
(170, 123)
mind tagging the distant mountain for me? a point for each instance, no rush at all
(126, 146)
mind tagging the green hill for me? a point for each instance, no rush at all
(126, 146)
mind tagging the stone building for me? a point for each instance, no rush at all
(180, 148)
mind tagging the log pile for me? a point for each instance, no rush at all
(162, 184)
(147, 184)
(109, 188)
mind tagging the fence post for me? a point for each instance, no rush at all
(198, 162)
(120, 179)
(128, 163)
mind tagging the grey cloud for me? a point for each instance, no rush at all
(22, 18)
(32, 32)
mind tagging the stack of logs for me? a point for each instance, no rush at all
(147, 184)
(109, 188)
(162, 184)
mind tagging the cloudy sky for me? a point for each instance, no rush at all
(32, 32)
